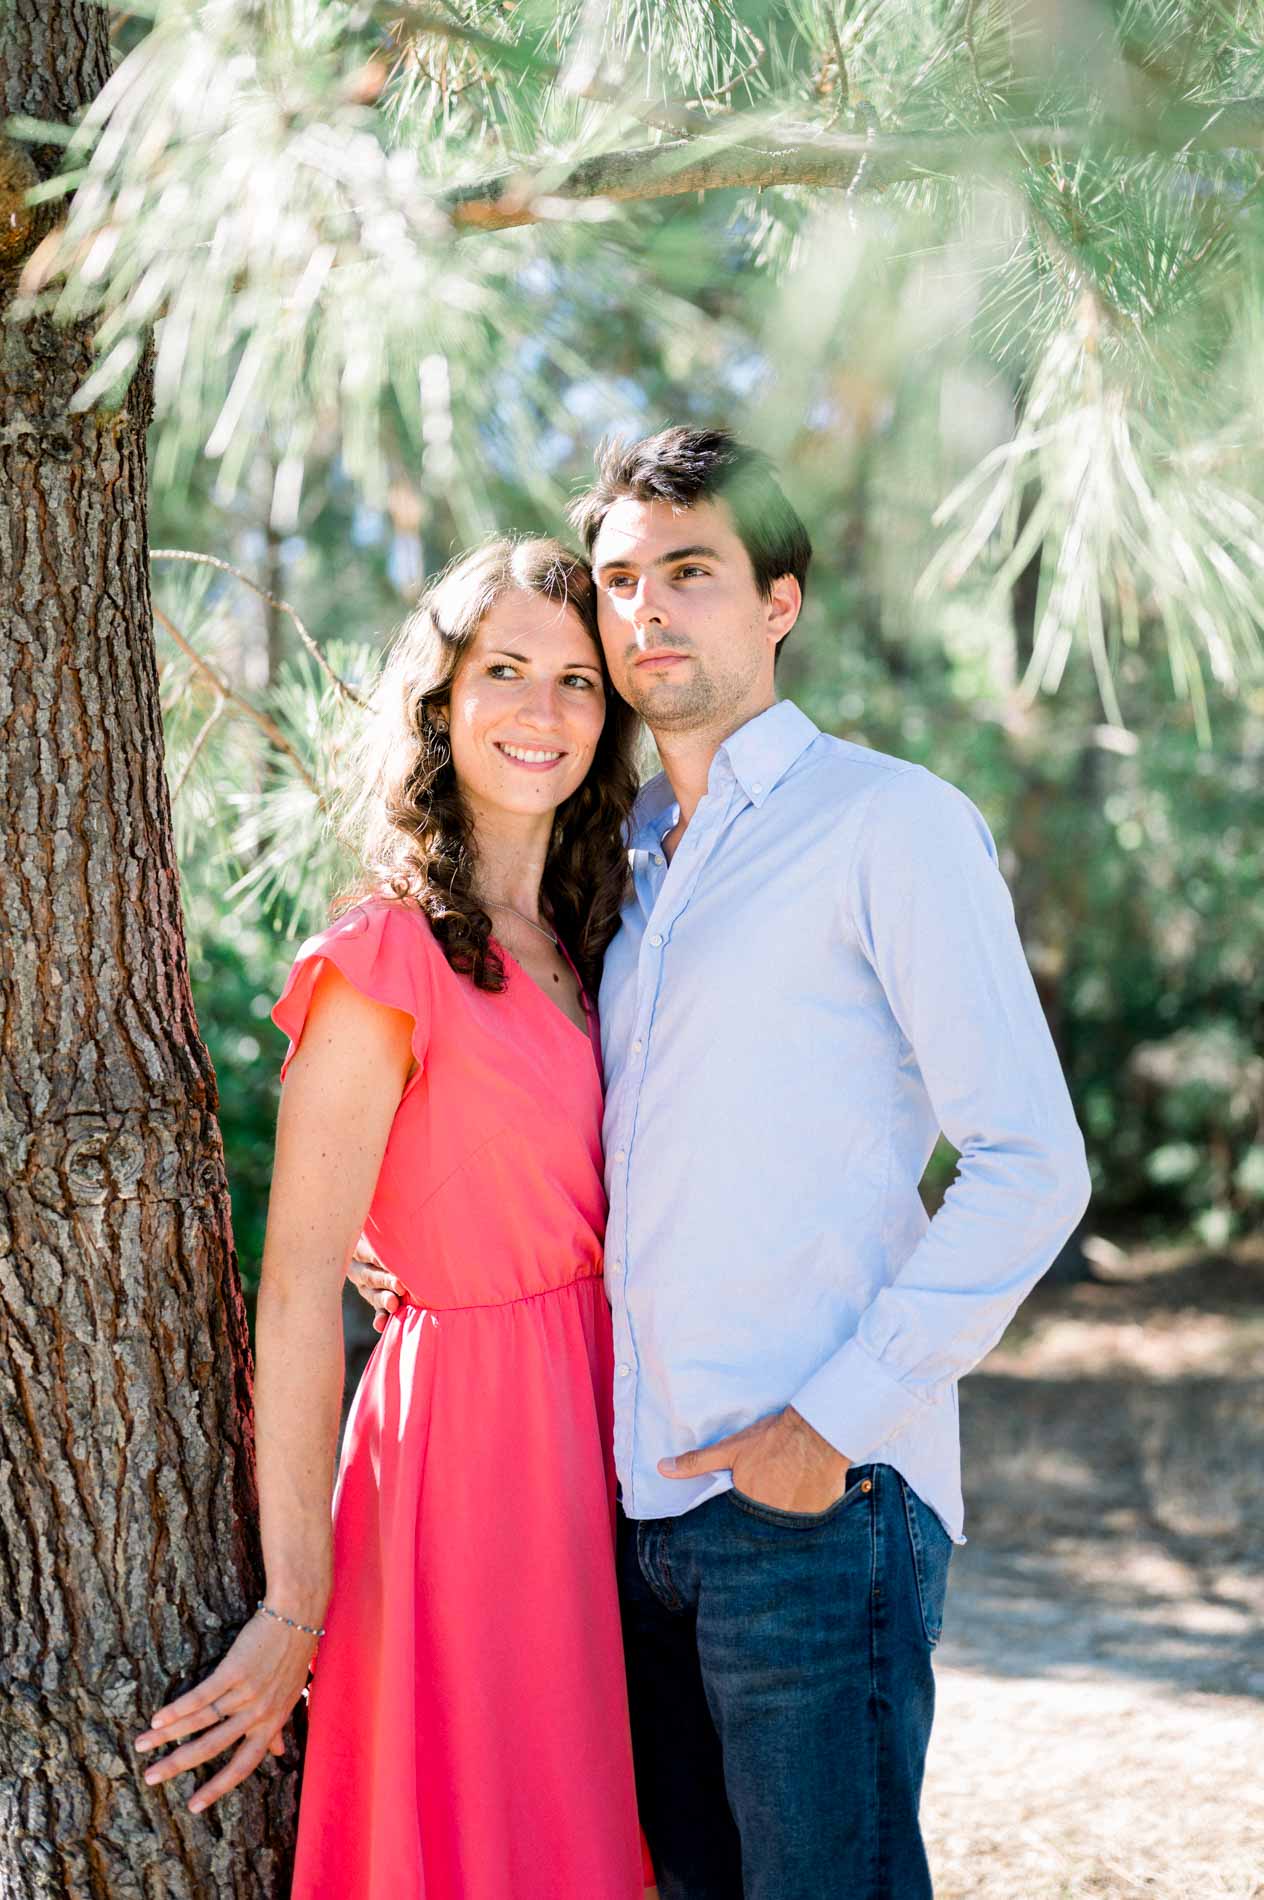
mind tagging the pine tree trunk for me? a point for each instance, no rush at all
(127, 1503)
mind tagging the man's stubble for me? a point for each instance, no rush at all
(706, 701)
(668, 707)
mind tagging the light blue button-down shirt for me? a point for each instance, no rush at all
(825, 975)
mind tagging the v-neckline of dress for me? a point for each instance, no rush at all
(587, 1032)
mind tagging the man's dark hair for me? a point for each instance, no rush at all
(688, 466)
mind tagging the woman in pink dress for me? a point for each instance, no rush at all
(468, 1735)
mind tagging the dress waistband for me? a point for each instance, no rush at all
(481, 1306)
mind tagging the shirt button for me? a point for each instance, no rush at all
(656, 940)
(757, 787)
(615, 1266)
(658, 857)
(620, 1155)
(637, 1048)
(623, 1371)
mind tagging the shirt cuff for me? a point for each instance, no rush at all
(854, 1403)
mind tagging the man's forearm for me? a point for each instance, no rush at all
(954, 1296)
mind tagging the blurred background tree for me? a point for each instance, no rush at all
(986, 277)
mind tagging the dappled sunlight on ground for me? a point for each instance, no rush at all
(1040, 1789)
(1102, 1673)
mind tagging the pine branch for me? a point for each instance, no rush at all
(282, 606)
(670, 170)
(195, 750)
(667, 116)
(826, 160)
(972, 49)
(729, 87)
(228, 695)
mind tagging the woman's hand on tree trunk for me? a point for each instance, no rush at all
(247, 1700)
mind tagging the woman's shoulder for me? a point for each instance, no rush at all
(380, 923)
(381, 944)
(383, 948)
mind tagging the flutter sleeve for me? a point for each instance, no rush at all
(385, 952)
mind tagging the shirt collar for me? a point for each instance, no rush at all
(759, 754)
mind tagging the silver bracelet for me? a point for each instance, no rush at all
(278, 1618)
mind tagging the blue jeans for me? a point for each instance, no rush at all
(779, 1678)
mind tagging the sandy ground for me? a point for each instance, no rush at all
(1101, 1681)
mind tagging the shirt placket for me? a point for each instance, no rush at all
(675, 886)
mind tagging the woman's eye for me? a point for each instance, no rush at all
(501, 670)
(578, 679)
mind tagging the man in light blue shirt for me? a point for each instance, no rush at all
(817, 970)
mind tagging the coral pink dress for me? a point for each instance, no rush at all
(468, 1734)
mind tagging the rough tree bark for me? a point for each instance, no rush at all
(127, 1555)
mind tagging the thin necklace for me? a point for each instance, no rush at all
(491, 904)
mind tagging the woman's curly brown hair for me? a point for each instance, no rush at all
(403, 813)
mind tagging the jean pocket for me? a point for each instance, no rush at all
(860, 1487)
(931, 1549)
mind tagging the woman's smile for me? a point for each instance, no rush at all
(532, 758)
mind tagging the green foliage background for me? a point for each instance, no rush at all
(987, 278)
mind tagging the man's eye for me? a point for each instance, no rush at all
(687, 573)
(619, 580)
